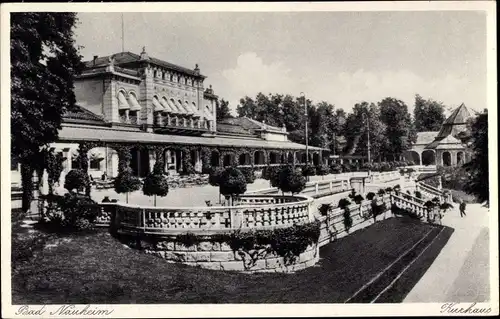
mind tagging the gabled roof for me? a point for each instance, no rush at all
(424, 138)
(459, 116)
(449, 142)
(129, 57)
(455, 123)
(81, 115)
(250, 124)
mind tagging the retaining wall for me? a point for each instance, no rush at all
(219, 256)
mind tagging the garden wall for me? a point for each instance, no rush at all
(211, 254)
(332, 226)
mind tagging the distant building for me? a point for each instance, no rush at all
(445, 147)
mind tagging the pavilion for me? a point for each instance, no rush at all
(446, 147)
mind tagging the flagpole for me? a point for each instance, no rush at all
(123, 36)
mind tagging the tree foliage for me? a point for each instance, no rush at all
(44, 62)
(478, 166)
(156, 183)
(126, 182)
(428, 114)
(232, 182)
(222, 109)
(291, 180)
(76, 179)
(400, 131)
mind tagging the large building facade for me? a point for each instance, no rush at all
(141, 108)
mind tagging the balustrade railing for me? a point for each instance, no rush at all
(409, 204)
(314, 188)
(250, 212)
(431, 192)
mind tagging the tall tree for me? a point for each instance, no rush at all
(222, 109)
(400, 131)
(428, 114)
(478, 166)
(44, 62)
(356, 130)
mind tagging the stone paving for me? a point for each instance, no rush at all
(461, 271)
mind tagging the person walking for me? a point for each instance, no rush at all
(462, 208)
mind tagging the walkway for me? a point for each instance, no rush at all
(460, 273)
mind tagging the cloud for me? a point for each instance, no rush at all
(252, 74)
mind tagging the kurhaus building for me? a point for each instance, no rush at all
(139, 108)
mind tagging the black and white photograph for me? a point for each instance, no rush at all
(276, 159)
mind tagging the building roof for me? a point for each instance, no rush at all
(449, 142)
(80, 114)
(129, 57)
(424, 138)
(76, 133)
(455, 123)
(249, 125)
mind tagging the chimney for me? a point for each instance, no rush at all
(95, 58)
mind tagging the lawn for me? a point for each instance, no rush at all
(95, 268)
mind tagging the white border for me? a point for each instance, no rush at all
(249, 310)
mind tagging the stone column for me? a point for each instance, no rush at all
(198, 162)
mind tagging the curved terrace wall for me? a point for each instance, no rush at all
(197, 236)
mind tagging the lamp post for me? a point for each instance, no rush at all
(365, 118)
(307, 139)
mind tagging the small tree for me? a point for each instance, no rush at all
(308, 170)
(126, 182)
(214, 178)
(156, 184)
(370, 195)
(322, 170)
(76, 179)
(418, 194)
(270, 173)
(358, 199)
(344, 204)
(290, 180)
(232, 183)
(249, 174)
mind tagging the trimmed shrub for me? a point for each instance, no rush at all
(308, 170)
(155, 184)
(418, 194)
(71, 212)
(322, 170)
(76, 179)
(290, 180)
(344, 202)
(324, 209)
(270, 173)
(370, 195)
(214, 176)
(126, 182)
(335, 169)
(249, 174)
(358, 199)
(232, 182)
(381, 192)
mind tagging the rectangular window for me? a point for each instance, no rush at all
(133, 117)
(95, 164)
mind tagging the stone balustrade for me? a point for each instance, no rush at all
(314, 189)
(249, 212)
(332, 225)
(385, 177)
(431, 192)
(409, 204)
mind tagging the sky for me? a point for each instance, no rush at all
(339, 57)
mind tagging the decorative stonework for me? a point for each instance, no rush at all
(219, 256)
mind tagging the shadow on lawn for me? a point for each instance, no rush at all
(96, 268)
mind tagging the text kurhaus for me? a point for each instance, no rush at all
(454, 307)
